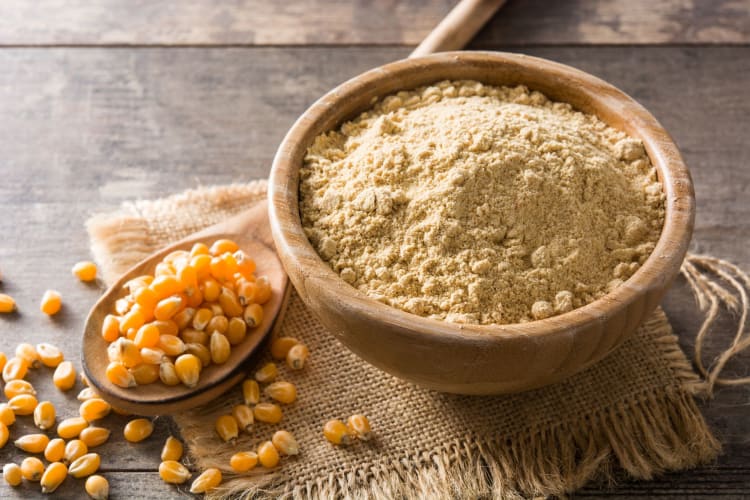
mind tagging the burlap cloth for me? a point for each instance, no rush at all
(634, 410)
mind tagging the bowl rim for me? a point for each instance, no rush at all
(659, 268)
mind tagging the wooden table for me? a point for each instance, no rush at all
(104, 102)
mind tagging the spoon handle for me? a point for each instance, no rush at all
(458, 27)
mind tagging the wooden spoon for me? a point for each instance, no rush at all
(252, 233)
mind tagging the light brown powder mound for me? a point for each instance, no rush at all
(480, 204)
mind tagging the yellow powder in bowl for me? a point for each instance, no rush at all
(480, 204)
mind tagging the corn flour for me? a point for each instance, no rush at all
(479, 204)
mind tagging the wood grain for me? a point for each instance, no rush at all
(85, 129)
(379, 22)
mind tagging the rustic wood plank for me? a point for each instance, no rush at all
(381, 22)
(84, 129)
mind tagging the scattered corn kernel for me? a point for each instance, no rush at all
(280, 347)
(4, 435)
(229, 303)
(51, 302)
(267, 373)
(218, 323)
(253, 315)
(236, 330)
(53, 477)
(164, 286)
(28, 353)
(7, 416)
(283, 392)
(268, 455)
(85, 465)
(23, 404)
(284, 442)
(119, 375)
(94, 436)
(7, 304)
(244, 416)
(44, 416)
(220, 348)
(172, 449)
(172, 345)
(15, 369)
(226, 427)
(200, 351)
(188, 368)
(32, 469)
(222, 246)
(336, 432)
(173, 472)
(71, 427)
(168, 327)
(74, 449)
(359, 426)
(243, 461)
(147, 336)
(167, 373)
(17, 387)
(64, 376)
(138, 429)
(85, 270)
(208, 480)
(94, 409)
(250, 391)
(3, 360)
(12, 474)
(49, 355)
(55, 450)
(134, 318)
(168, 307)
(267, 412)
(97, 487)
(297, 356)
(32, 443)
(145, 374)
(152, 356)
(110, 328)
(201, 318)
(86, 394)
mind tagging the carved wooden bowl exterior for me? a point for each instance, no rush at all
(479, 359)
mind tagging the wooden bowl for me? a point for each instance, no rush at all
(479, 359)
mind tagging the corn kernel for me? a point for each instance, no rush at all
(74, 449)
(135, 318)
(97, 487)
(119, 375)
(151, 356)
(199, 249)
(283, 392)
(23, 404)
(3, 360)
(267, 373)
(64, 376)
(243, 414)
(263, 294)
(171, 345)
(49, 355)
(53, 477)
(243, 461)
(188, 278)
(183, 318)
(28, 353)
(124, 351)
(173, 472)
(284, 442)
(267, 412)
(168, 327)
(84, 270)
(147, 336)
(94, 409)
(138, 429)
(4, 435)
(215, 308)
(201, 318)
(172, 449)
(32, 443)
(220, 348)
(188, 368)
(12, 474)
(280, 347)
(32, 469)
(229, 303)
(250, 391)
(168, 307)
(200, 351)
(7, 416)
(86, 394)
(192, 336)
(71, 427)
(211, 289)
(336, 432)
(177, 258)
(164, 269)
(123, 305)
(222, 246)
(7, 304)
(245, 265)
(253, 315)
(359, 426)
(110, 328)
(202, 265)
(226, 427)
(51, 302)
(44, 416)
(55, 450)
(268, 455)
(94, 436)
(138, 282)
(85, 465)
(208, 480)
(17, 387)
(297, 356)
(246, 291)
(164, 286)
(145, 374)
(168, 373)
(218, 323)
(15, 369)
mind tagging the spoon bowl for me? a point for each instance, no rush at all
(250, 230)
